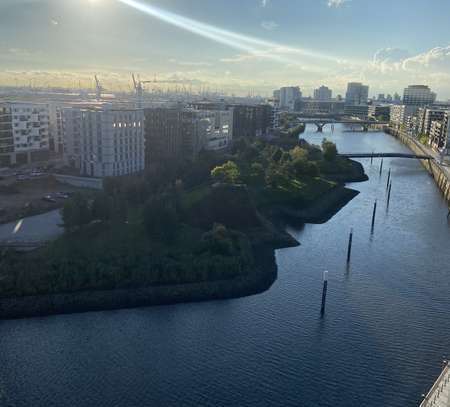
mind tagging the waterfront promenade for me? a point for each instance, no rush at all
(439, 171)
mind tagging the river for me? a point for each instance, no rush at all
(381, 342)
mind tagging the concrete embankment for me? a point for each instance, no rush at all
(440, 173)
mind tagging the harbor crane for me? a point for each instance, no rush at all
(139, 86)
(98, 88)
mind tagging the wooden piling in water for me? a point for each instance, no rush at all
(349, 249)
(388, 179)
(324, 292)
(381, 167)
(374, 214)
(389, 194)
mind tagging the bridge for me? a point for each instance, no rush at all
(388, 155)
(321, 123)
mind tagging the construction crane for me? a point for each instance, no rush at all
(98, 88)
(139, 89)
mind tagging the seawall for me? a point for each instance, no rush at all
(440, 173)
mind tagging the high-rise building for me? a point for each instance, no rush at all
(104, 142)
(418, 95)
(288, 96)
(357, 94)
(24, 132)
(323, 93)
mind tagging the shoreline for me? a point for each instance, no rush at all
(265, 241)
(440, 173)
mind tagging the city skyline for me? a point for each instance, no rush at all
(267, 44)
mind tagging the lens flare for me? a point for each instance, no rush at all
(254, 46)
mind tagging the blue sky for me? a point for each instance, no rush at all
(387, 44)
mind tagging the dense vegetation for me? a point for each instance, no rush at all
(191, 224)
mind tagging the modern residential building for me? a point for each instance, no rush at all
(431, 115)
(323, 93)
(252, 120)
(104, 142)
(357, 94)
(248, 120)
(380, 111)
(174, 135)
(56, 142)
(360, 111)
(217, 127)
(24, 133)
(400, 114)
(288, 96)
(418, 95)
(439, 138)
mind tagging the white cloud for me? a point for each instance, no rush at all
(337, 3)
(269, 25)
(264, 3)
(436, 60)
(54, 22)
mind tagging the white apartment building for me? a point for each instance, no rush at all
(400, 114)
(24, 132)
(430, 116)
(418, 95)
(104, 143)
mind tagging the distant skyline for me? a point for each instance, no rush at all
(238, 46)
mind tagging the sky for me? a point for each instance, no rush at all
(239, 46)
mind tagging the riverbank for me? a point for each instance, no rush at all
(216, 240)
(260, 280)
(440, 173)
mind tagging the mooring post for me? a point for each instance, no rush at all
(381, 167)
(349, 249)
(388, 178)
(374, 214)
(389, 194)
(371, 159)
(324, 291)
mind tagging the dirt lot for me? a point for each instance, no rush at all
(24, 198)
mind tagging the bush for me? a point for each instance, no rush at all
(228, 173)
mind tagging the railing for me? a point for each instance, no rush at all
(438, 396)
(387, 155)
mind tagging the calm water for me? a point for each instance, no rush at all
(381, 342)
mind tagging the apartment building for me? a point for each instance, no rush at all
(104, 142)
(418, 95)
(24, 133)
(357, 94)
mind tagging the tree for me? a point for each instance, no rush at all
(256, 173)
(160, 218)
(274, 176)
(329, 150)
(76, 212)
(277, 155)
(228, 173)
(218, 240)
